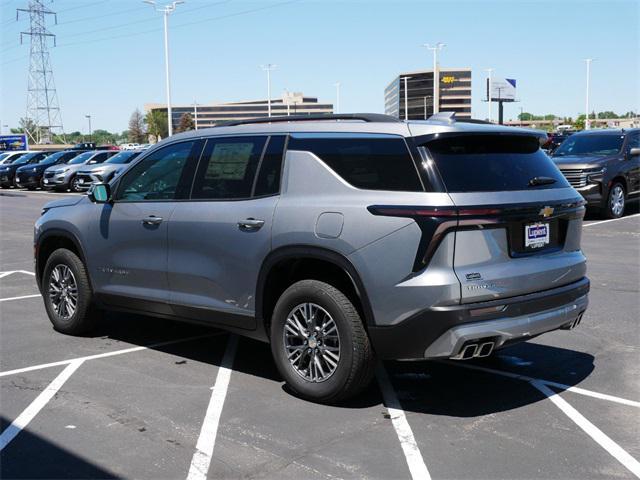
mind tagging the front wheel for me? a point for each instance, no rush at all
(319, 343)
(75, 185)
(615, 201)
(67, 293)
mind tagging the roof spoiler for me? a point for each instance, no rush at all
(449, 118)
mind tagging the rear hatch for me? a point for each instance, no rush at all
(519, 221)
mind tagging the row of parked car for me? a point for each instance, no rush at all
(73, 169)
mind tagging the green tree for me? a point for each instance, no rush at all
(607, 114)
(186, 123)
(136, 127)
(156, 121)
(579, 123)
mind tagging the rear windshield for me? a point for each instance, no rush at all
(367, 162)
(491, 163)
(590, 145)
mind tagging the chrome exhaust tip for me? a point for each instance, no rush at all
(485, 349)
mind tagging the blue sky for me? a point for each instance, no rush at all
(109, 58)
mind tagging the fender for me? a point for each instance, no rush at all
(56, 232)
(312, 252)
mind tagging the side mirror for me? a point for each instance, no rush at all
(634, 152)
(100, 193)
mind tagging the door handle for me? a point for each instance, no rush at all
(250, 224)
(152, 220)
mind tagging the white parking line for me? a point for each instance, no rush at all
(561, 386)
(107, 354)
(207, 439)
(19, 298)
(10, 272)
(607, 221)
(590, 429)
(41, 400)
(412, 454)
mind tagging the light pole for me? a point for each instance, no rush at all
(406, 99)
(587, 125)
(268, 67)
(195, 114)
(490, 70)
(337, 85)
(166, 10)
(90, 131)
(436, 74)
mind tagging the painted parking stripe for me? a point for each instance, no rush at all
(41, 400)
(107, 354)
(561, 386)
(207, 439)
(590, 429)
(607, 221)
(412, 454)
(23, 297)
(11, 272)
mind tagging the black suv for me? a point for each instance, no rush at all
(604, 166)
(8, 172)
(31, 176)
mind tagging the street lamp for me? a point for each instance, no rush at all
(406, 102)
(90, 131)
(267, 68)
(587, 125)
(337, 85)
(166, 10)
(489, 84)
(436, 74)
(195, 114)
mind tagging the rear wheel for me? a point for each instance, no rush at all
(319, 343)
(67, 293)
(616, 201)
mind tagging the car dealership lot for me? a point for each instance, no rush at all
(149, 398)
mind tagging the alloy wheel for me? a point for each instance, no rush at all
(63, 291)
(616, 200)
(312, 342)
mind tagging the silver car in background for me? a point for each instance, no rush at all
(64, 176)
(106, 171)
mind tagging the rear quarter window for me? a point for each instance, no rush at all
(370, 163)
(491, 163)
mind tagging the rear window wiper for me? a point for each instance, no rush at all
(535, 181)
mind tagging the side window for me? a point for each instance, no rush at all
(268, 181)
(227, 168)
(370, 163)
(634, 141)
(158, 176)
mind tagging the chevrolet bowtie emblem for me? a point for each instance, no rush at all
(546, 211)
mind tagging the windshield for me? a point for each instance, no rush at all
(596, 145)
(83, 157)
(493, 163)
(123, 157)
(3, 157)
(27, 158)
(53, 158)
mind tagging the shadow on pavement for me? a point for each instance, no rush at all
(31, 456)
(423, 386)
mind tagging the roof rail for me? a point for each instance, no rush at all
(364, 117)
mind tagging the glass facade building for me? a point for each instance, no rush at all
(209, 115)
(455, 93)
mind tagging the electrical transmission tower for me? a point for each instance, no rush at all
(43, 119)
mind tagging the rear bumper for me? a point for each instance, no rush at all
(441, 332)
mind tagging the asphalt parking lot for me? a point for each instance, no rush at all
(148, 398)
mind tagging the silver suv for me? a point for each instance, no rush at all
(338, 239)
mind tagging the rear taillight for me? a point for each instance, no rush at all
(417, 212)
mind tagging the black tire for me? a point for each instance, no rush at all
(84, 318)
(616, 201)
(73, 185)
(356, 363)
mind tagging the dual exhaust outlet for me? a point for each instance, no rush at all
(475, 350)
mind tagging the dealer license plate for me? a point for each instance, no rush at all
(536, 235)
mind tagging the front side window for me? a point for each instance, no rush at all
(159, 175)
(227, 168)
(367, 162)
